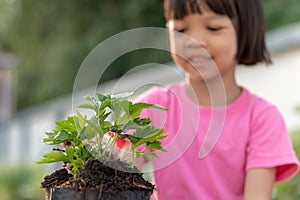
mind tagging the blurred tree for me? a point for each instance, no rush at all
(278, 12)
(52, 38)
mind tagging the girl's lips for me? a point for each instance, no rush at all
(200, 61)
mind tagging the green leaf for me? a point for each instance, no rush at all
(103, 117)
(120, 111)
(147, 132)
(63, 136)
(50, 134)
(106, 124)
(153, 145)
(132, 125)
(154, 134)
(49, 140)
(65, 125)
(103, 97)
(79, 121)
(70, 151)
(150, 156)
(84, 154)
(88, 133)
(88, 106)
(156, 145)
(142, 121)
(53, 156)
(137, 108)
(104, 105)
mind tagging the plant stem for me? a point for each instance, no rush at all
(107, 148)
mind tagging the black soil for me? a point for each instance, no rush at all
(112, 176)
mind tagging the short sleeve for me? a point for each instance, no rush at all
(270, 145)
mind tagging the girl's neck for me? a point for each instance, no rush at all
(215, 93)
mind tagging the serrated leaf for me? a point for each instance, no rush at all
(79, 121)
(137, 108)
(142, 121)
(50, 134)
(120, 110)
(63, 136)
(53, 156)
(150, 156)
(103, 117)
(147, 132)
(84, 154)
(103, 97)
(88, 133)
(153, 136)
(132, 125)
(153, 145)
(48, 140)
(106, 124)
(67, 125)
(88, 106)
(70, 152)
(104, 105)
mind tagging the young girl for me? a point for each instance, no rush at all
(224, 142)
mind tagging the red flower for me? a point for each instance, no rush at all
(120, 142)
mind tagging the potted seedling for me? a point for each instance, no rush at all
(88, 145)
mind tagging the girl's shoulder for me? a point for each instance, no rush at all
(261, 110)
(161, 93)
(255, 102)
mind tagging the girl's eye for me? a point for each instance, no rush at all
(181, 30)
(213, 29)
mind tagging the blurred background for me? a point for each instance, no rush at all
(43, 43)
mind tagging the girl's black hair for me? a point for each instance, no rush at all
(247, 17)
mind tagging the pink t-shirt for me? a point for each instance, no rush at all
(210, 150)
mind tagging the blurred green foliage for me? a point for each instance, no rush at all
(52, 38)
(279, 12)
(19, 182)
(290, 190)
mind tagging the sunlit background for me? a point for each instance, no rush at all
(43, 43)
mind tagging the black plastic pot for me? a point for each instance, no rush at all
(94, 194)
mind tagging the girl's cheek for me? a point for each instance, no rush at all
(179, 61)
(177, 43)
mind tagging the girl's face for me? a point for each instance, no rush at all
(212, 48)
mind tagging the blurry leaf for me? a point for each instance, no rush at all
(63, 136)
(53, 156)
(67, 125)
(88, 106)
(136, 109)
(154, 145)
(79, 121)
(120, 110)
(150, 156)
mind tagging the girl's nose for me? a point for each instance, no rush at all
(196, 40)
